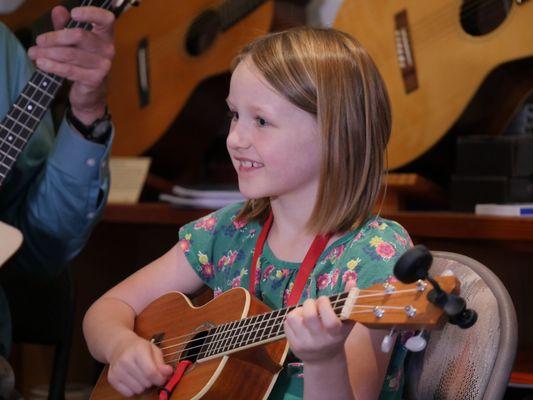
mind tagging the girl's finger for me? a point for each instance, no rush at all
(311, 319)
(329, 319)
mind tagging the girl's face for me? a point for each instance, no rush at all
(275, 147)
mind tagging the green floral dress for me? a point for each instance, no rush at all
(220, 249)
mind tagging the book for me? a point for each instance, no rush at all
(195, 202)
(211, 192)
(128, 175)
(516, 210)
(210, 197)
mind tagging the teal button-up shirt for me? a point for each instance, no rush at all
(57, 189)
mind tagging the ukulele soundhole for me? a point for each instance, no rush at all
(193, 349)
(479, 18)
(203, 32)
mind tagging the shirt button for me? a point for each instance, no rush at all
(90, 215)
(90, 162)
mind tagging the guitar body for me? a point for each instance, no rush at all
(156, 32)
(449, 64)
(248, 374)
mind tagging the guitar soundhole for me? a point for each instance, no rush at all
(482, 17)
(203, 32)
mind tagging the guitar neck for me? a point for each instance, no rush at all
(31, 105)
(24, 116)
(232, 11)
(253, 331)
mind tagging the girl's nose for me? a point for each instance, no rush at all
(237, 137)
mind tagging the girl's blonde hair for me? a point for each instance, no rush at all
(328, 74)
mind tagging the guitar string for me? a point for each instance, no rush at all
(235, 346)
(37, 75)
(255, 324)
(240, 341)
(371, 293)
(235, 349)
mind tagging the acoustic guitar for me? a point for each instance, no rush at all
(164, 50)
(237, 345)
(433, 56)
(24, 117)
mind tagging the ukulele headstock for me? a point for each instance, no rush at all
(418, 302)
(397, 304)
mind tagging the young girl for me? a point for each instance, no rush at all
(310, 122)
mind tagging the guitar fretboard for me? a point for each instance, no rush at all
(24, 116)
(259, 329)
(30, 107)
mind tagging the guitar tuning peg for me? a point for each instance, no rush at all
(388, 341)
(416, 343)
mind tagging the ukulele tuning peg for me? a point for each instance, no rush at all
(416, 343)
(388, 341)
(413, 264)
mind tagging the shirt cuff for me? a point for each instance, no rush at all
(79, 157)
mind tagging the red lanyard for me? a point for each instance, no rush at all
(308, 264)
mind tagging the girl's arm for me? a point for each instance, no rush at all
(135, 363)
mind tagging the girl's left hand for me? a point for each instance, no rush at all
(314, 331)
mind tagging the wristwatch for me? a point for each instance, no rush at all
(98, 131)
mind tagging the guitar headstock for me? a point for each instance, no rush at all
(396, 304)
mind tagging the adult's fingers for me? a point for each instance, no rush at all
(60, 17)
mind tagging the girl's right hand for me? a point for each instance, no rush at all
(135, 365)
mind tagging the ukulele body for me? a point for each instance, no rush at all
(247, 374)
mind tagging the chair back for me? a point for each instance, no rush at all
(472, 363)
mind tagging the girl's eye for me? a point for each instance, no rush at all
(261, 121)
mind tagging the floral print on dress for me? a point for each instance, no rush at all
(206, 223)
(220, 249)
(185, 243)
(227, 260)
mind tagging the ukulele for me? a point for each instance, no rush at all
(434, 56)
(24, 116)
(236, 335)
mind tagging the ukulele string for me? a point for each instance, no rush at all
(372, 293)
(251, 327)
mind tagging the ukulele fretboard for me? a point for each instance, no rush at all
(259, 329)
